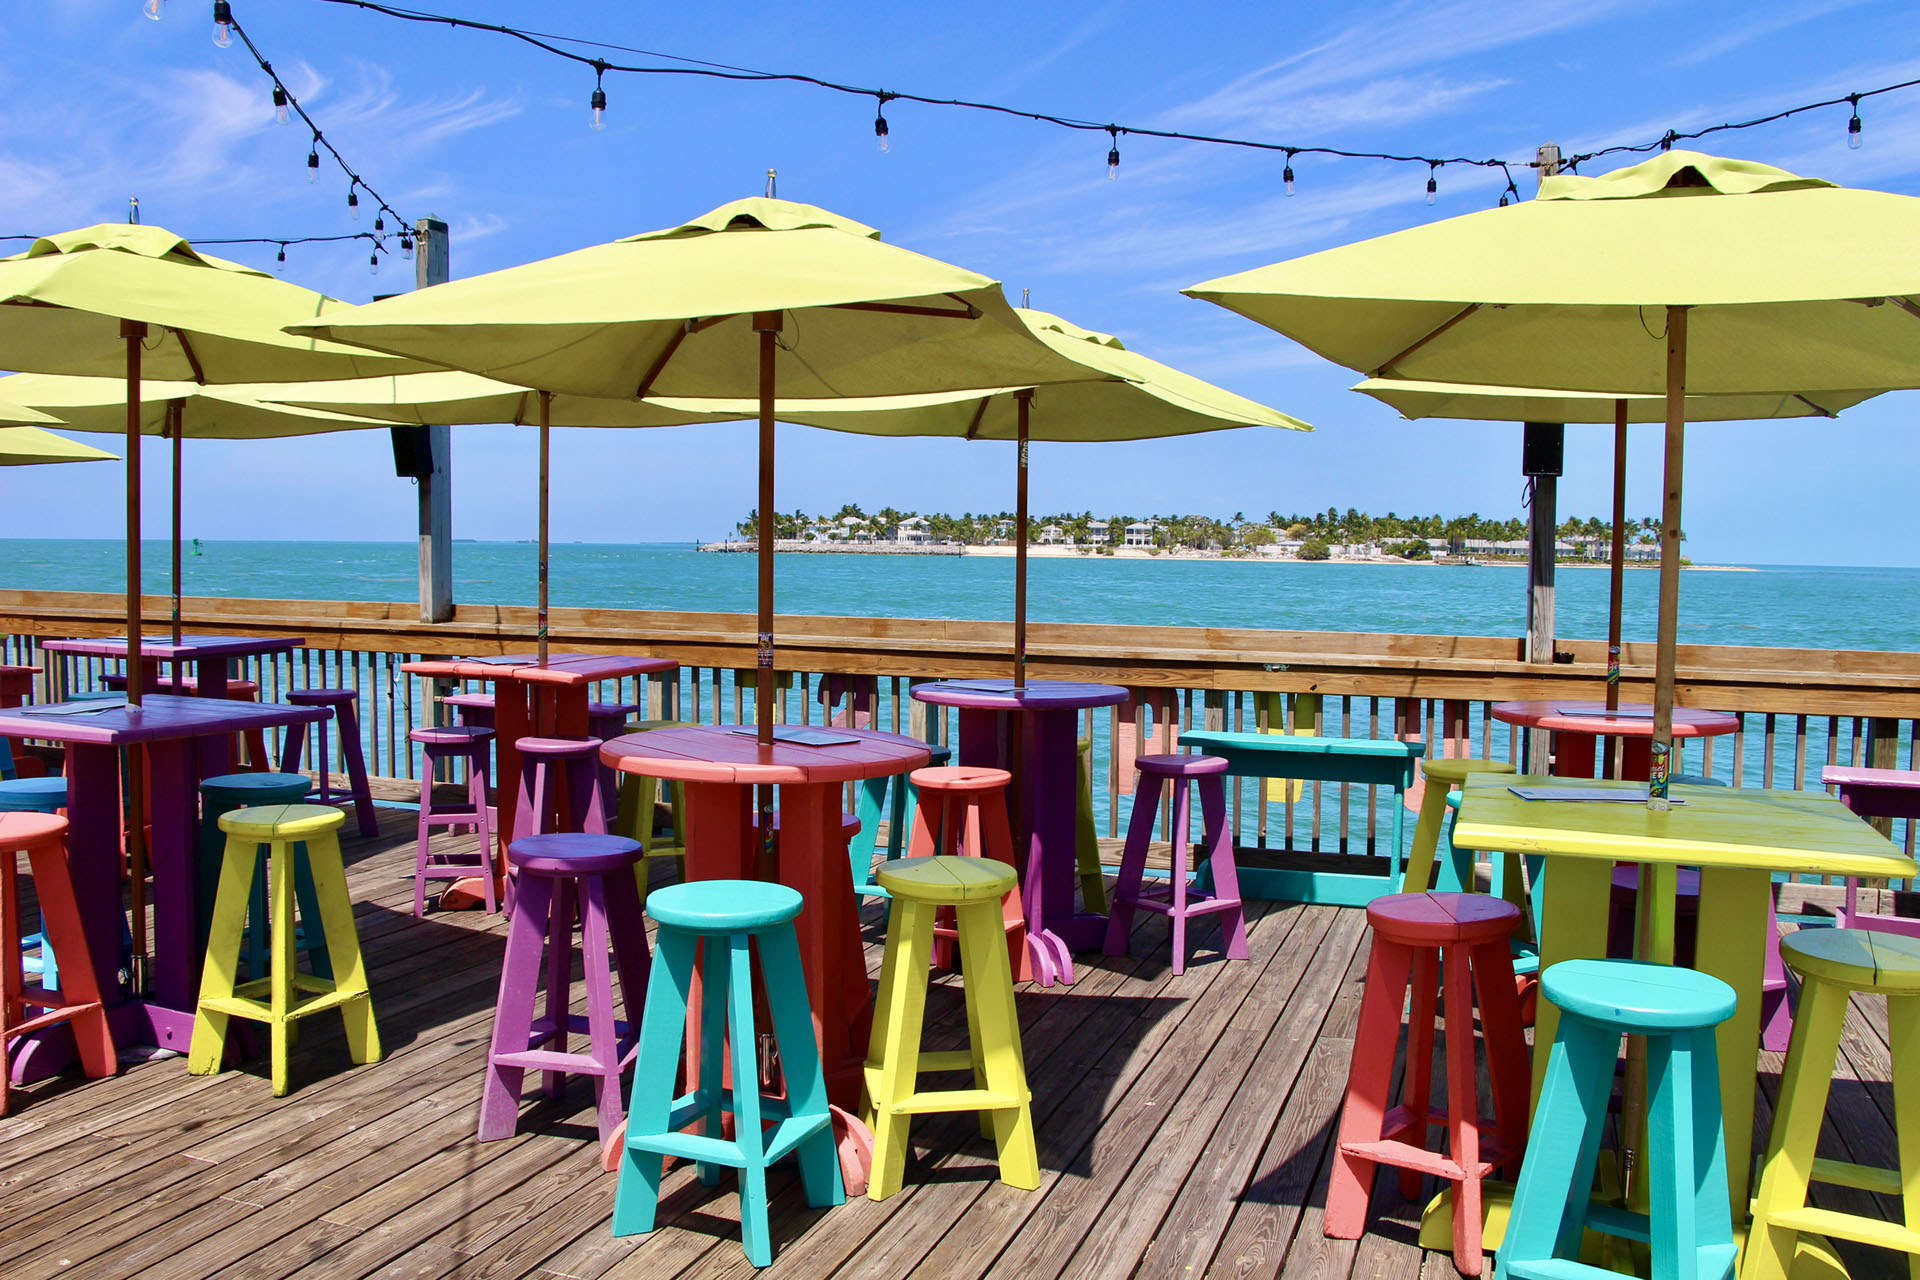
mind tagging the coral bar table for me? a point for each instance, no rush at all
(721, 765)
(207, 653)
(1034, 733)
(1578, 724)
(16, 684)
(1737, 837)
(185, 739)
(530, 700)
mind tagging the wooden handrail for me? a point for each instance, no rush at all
(1725, 677)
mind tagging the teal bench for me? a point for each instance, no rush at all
(1372, 762)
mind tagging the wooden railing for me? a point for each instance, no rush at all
(1798, 708)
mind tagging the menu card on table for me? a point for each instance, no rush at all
(803, 737)
(1587, 795)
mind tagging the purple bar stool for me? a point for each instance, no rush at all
(346, 719)
(608, 720)
(446, 743)
(473, 708)
(1178, 900)
(547, 765)
(558, 873)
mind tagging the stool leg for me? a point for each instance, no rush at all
(800, 1065)
(884, 1000)
(513, 1010)
(347, 719)
(715, 982)
(585, 811)
(280, 964)
(627, 930)
(1086, 838)
(1426, 841)
(209, 1042)
(559, 967)
(343, 946)
(427, 762)
(1506, 1046)
(747, 1133)
(1363, 1109)
(10, 977)
(1177, 871)
(60, 915)
(1903, 1033)
(1776, 1019)
(869, 800)
(1549, 1200)
(989, 987)
(638, 1194)
(1133, 861)
(896, 1034)
(1463, 1111)
(602, 1041)
(319, 959)
(482, 826)
(900, 799)
(1416, 1074)
(1223, 876)
(290, 748)
(258, 928)
(1797, 1114)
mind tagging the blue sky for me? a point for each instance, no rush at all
(101, 105)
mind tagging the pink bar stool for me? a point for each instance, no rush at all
(346, 718)
(962, 810)
(1179, 901)
(605, 721)
(558, 874)
(448, 743)
(473, 708)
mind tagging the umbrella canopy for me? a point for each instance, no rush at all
(18, 415)
(1686, 273)
(753, 298)
(1414, 400)
(28, 446)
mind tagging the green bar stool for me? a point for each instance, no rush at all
(221, 795)
(721, 918)
(894, 796)
(1689, 1223)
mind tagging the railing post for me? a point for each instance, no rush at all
(436, 488)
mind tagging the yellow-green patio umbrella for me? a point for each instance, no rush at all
(25, 446)
(1141, 399)
(174, 410)
(1687, 273)
(757, 297)
(138, 301)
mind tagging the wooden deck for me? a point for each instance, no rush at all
(1183, 1124)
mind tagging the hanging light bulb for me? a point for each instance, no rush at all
(313, 162)
(153, 8)
(222, 24)
(1433, 187)
(406, 246)
(353, 203)
(373, 263)
(280, 113)
(379, 222)
(280, 259)
(1113, 154)
(599, 99)
(880, 124)
(1286, 174)
(1853, 125)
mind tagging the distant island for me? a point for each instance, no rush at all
(1322, 535)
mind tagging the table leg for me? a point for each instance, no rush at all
(1050, 751)
(1570, 929)
(1636, 762)
(829, 932)
(510, 724)
(210, 677)
(1732, 947)
(983, 738)
(1572, 754)
(93, 856)
(720, 846)
(173, 785)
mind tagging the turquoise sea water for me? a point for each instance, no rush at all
(1795, 606)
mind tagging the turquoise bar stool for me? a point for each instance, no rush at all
(896, 797)
(1689, 1223)
(223, 794)
(37, 795)
(727, 915)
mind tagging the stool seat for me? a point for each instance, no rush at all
(572, 853)
(318, 697)
(1860, 959)
(946, 880)
(449, 735)
(238, 787)
(559, 748)
(724, 906)
(961, 778)
(23, 830)
(282, 821)
(1179, 766)
(622, 709)
(1435, 919)
(1456, 771)
(17, 794)
(468, 700)
(1636, 996)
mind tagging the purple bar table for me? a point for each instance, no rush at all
(207, 653)
(185, 740)
(1045, 715)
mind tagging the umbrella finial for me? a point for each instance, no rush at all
(771, 175)
(133, 211)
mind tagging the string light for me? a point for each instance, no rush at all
(280, 113)
(222, 24)
(313, 162)
(880, 122)
(1113, 153)
(153, 8)
(599, 99)
(280, 259)
(406, 245)
(373, 263)
(1433, 185)
(1286, 174)
(1853, 125)
(353, 202)
(379, 223)
(279, 243)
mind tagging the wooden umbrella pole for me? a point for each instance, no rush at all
(135, 332)
(540, 622)
(1617, 573)
(1023, 400)
(176, 412)
(1665, 651)
(767, 325)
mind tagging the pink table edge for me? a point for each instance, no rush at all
(1555, 714)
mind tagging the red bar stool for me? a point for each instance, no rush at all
(346, 718)
(447, 743)
(43, 838)
(1422, 941)
(962, 810)
(1179, 901)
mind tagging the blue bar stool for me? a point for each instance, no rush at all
(1689, 1224)
(895, 797)
(721, 917)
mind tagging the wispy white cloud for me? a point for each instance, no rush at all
(1745, 33)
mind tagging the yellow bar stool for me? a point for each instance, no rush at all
(1832, 964)
(284, 994)
(1442, 777)
(892, 1096)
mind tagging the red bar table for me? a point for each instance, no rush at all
(208, 654)
(721, 765)
(185, 740)
(530, 700)
(1578, 724)
(1045, 715)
